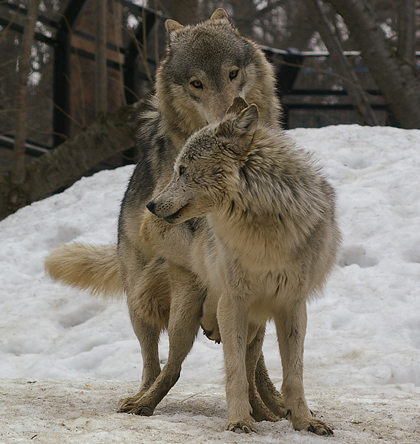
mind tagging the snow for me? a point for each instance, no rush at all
(66, 359)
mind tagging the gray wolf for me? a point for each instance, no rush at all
(266, 242)
(206, 67)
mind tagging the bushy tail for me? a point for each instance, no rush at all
(89, 267)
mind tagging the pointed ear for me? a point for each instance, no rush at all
(220, 14)
(171, 27)
(237, 106)
(240, 131)
(247, 122)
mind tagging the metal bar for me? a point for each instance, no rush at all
(30, 147)
(282, 52)
(330, 106)
(326, 92)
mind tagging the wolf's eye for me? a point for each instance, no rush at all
(233, 74)
(197, 84)
(181, 170)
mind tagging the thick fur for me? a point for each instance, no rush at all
(87, 267)
(206, 67)
(266, 243)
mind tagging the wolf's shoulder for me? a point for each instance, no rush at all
(149, 118)
(156, 152)
(275, 148)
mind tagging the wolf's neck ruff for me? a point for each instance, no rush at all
(264, 198)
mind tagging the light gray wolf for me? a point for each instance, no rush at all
(206, 66)
(266, 242)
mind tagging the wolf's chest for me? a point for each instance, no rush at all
(268, 293)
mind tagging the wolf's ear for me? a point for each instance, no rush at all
(237, 106)
(244, 127)
(221, 14)
(171, 27)
(247, 121)
(238, 131)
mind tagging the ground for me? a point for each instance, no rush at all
(52, 411)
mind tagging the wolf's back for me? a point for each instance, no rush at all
(88, 267)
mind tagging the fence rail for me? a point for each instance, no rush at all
(311, 92)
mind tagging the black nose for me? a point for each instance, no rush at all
(151, 206)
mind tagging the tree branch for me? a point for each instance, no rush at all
(108, 135)
(18, 168)
(407, 31)
(393, 75)
(351, 82)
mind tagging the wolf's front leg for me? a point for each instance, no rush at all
(184, 321)
(291, 329)
(233, 324)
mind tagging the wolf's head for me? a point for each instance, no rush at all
(208, 167)
(206, 67)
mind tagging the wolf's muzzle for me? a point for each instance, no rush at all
(151, 206)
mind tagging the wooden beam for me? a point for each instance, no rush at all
(130, 71)
(101, 72)
(62, 68)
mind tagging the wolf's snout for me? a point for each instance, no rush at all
(207, 333)
(151, 206)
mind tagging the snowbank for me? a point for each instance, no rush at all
(67, 358)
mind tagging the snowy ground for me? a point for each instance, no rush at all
(66, 359)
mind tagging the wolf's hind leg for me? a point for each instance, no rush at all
(148, 336)
(260, 412)
(266, 389)
(187, 299)
(148, 304)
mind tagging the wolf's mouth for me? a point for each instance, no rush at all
(173, 217)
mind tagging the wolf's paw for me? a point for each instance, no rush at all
(241, 426)
(313, 425)
(320, 427)
(280, 411)
(133, 407)
(265, 415)
(277, 408)
(261, 413)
